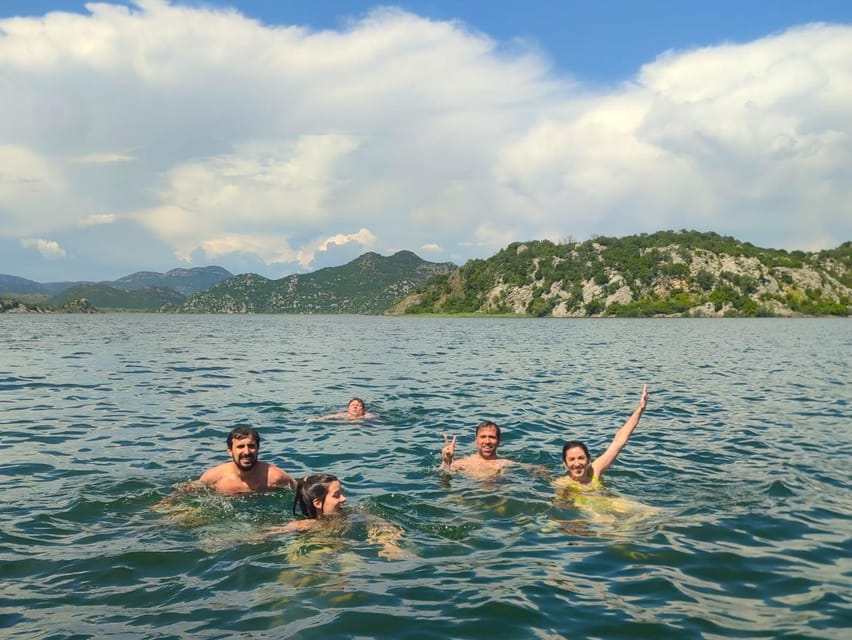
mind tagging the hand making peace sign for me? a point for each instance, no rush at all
(449, 450)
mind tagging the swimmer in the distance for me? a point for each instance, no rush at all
(355, 410)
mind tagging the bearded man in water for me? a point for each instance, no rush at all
(244, 473)
(482, 464)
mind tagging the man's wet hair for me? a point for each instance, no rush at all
(240, 433)
(488, 423)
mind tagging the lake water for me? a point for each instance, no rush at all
(738, 478)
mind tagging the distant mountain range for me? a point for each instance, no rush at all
(368, 285)
(668, 273)
(183, 281)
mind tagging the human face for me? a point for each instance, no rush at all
(333, 499)
(244, 453)
(355, 408)
(577, 463)
(487, 442)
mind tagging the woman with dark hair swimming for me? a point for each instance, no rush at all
(581, 487)
(581, 469)
(318, 497)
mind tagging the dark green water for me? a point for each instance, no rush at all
(739, 473)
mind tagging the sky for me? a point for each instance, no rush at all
(281, 137)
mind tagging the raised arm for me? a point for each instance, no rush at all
(448, 452)
(602, 462)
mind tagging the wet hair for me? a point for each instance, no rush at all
(488, 423)
(238, 433)
(359, 400)
(575, 443)
(312, 488)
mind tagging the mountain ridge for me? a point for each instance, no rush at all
(369, 284)
(183, 280)
(668, 273)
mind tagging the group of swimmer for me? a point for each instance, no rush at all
(319, 496)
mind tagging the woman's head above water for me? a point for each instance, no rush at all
(576, 458)
(318, 495)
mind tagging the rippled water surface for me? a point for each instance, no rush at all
(737, 478)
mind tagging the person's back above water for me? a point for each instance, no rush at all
(244, 473)
(355, 410)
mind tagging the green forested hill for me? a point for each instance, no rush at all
(105, 297)
(10, 305)
(368, 285)
(665, 273)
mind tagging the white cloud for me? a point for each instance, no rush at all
(265, 141)
(270, 249)
(48, 249)
(261, 183)
(98, 219)
(363, 237)
(103, 158)
(31, 191)
(741, 139)
(431, 248)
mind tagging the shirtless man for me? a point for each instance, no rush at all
(245, 473)
(355, 410)
(482, 464)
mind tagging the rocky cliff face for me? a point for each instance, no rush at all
(706, 275)
(744, 276)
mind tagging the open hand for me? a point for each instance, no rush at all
(643, 399)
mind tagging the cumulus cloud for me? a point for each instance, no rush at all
(98, 218)
(32, 188)
(262, 142)
(103, 158)
(48, 249)
(362, 240)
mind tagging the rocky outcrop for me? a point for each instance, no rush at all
(80, 305)
(706, 275)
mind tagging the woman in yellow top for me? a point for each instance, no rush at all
(575, 454)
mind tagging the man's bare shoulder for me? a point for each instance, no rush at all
(277, 477)
(215, 474)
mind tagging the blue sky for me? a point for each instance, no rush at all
(281, 137)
